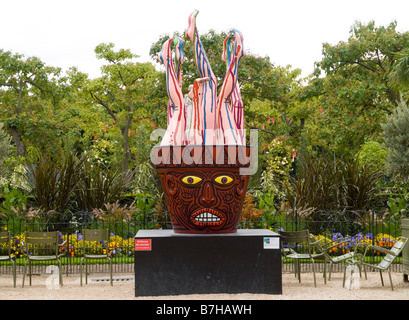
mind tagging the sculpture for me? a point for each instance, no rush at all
(203, 149)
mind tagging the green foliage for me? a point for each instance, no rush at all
(146, 207)
(97, 186)
(126, 91)
(400, 72)
(324, 184)
(54, 181)
(14, 199)
(373, 153)
(266, 202)
(398, 203)
(278, 161)
(76, 183)
(32, 96)
(5, 148)
(396, 136)
(355, 95)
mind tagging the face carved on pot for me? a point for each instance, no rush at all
(205, 200)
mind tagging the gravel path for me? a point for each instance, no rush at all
(45, 287)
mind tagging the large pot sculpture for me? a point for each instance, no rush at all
(202, 155)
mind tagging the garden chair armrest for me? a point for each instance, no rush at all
(315, 242)
(334, 245)
(64, 251)
(378, 248)
(328, 247)
(286, 251)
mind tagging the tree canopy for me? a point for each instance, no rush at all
(338, 109)
(351, 87)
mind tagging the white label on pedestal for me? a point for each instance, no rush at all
(271, 243)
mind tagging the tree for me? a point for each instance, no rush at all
(396, 136)
(5, 151)
(31, 95)
(400, 71)
(126, 90)
(355, 94)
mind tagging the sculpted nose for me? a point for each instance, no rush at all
(207, 197)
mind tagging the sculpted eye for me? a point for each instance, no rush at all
(191, 180)
(223, 180)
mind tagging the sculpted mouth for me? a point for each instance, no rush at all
(208, 217)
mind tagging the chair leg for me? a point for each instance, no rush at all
(29, 270)
(380, 273)
(390, 279)
(351, 277)
(298, 270)
(60, 272)
(110, 268)
(14, 272)
(313, 271)
(81, 271)
(343, 280)
(360, 270)
(86, 271)
(24, 273)
(330, 271)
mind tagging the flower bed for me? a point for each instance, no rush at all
(117, 246)
(358, 241)
(122, 247)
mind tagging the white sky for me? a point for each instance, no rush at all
(65, 33)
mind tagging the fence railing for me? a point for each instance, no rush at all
(371, 226)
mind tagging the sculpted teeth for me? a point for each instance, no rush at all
(207, 217)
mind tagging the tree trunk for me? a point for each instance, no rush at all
(125, 144)
(20, 146)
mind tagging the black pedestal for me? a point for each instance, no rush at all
(168, 263)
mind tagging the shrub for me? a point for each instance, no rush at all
(396, 136)
(54, 181)
(97, 186)
(250, 214)
(324, 185)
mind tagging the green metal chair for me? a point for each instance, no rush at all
(300, 238)
(324, 249)
(385, 264)
(90, 237)
(5, 237)
(43, 246)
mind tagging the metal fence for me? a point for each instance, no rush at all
(367, 224)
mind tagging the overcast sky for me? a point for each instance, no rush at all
(65, 33)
